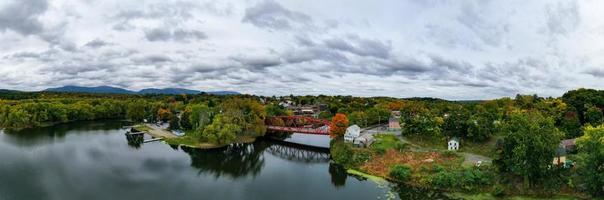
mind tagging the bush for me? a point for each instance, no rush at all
(498, 190)
(380, 149)
(400, 172)
(400, 146)
(467, 179)
(360, 156)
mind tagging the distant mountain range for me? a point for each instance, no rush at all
(116, 90)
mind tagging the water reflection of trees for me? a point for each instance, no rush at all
(135, 140)
(338, 175)
(38, 135)
(234, 161)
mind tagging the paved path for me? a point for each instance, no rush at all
(157, 131)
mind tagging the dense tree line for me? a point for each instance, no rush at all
(479, 121)
(17, 114)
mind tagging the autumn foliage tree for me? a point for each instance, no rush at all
(339, 124)
(395, 105)
(164, 114)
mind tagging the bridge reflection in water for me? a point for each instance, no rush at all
(298, 152)
(240, 160)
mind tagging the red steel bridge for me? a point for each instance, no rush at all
(298, 124)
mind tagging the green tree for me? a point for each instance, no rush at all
(136, 110)
(359, 118)
(593, 115)
(377, 115)
(479, 128)
(201, 116)
(18, 118)
(220, 131)
(578, 99)
(456, 122)
(81, 111)
(529, 147)
(247, 114)
(325, 115)
(174, 122)
(416, 119)
(274, 110)
(591, 159)
(571, 125)
(185, 121)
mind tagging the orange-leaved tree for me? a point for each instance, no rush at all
(339, 124)
(164, 114)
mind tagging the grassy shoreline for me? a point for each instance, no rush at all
(190, 142)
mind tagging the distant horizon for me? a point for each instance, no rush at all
(208, 91)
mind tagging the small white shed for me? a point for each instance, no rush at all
(352, 133)
(453, 144)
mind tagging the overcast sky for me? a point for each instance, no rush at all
(448, 49)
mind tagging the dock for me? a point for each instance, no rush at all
(153, 140)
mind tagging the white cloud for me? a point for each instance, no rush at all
(447, 49)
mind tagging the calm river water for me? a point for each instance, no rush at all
(92, 160)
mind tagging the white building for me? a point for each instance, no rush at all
(352, 133)
(453, 144)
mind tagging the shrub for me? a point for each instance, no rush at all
(498, 190)
(380, 149)
(467, 179)
(360, 156)
(400, 146)
(400, 172)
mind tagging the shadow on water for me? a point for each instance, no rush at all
(41, 135)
